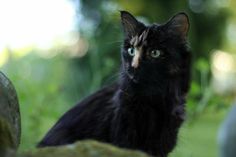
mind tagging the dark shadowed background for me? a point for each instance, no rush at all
(59, 51)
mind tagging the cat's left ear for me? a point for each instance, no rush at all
(130, 24)
(179, 25)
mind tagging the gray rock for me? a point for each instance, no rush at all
(10, 126)
(227, 135)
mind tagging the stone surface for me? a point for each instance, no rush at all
(227, 134)
(10, 127)
(83, 149)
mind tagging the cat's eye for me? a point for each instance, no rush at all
(131, 51)
(155, 53)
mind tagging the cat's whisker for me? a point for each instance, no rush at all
(113, 77)
(117, 43)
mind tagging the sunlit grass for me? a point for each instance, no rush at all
(7, 53)
(3, 57)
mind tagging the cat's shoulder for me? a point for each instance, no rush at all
(100, 97)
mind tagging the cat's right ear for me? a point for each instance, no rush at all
(179, 25)
(131, 25)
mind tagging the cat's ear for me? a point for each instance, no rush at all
(179, 25)
(131, 25)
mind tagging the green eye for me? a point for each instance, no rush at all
(155, 53)
(131, 51)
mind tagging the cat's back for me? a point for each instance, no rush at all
(90, 118)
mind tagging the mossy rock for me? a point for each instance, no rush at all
(10, 127)
(84, 149)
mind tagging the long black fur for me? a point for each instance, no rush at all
(141, 112)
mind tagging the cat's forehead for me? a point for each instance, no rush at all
(147, 35)
(139, 39)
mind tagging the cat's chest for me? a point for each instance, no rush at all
(153, 113)
(146, 106)
(146, 112)
(145, 121)
(143, 113)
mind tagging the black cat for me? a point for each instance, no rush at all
(145, 108)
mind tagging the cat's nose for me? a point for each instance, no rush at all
(136, 59)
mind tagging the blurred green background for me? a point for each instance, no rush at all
(59, 51)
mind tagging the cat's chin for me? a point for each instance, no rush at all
(132, 78)
(135, 81)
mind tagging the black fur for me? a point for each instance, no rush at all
(145, 108)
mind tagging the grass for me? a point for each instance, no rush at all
(199, 138)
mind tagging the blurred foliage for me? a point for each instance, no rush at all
(49, 87)
(41, 90)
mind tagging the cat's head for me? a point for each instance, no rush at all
(152, 54)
